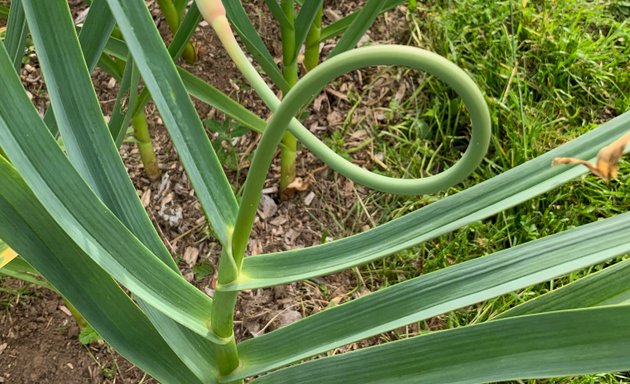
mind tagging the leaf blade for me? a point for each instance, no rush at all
(90, 144)
(341, 25)
(15, 39)
(19, 268)
(475, 203)
(364, 20)
(26, 225)
(185, 31)
(87, 220)
(276, 11)
(243, 26)
(91, 148)
(179, 115)
(607, 287)
(303, 22)
(554, 344)
(203, 91)
(430, 295)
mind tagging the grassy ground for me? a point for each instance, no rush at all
(551, 72)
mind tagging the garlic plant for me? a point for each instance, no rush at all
(78, 221)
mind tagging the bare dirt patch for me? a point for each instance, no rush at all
(39, 343)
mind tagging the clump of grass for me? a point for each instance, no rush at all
(12, 293)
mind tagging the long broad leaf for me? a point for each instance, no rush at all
(185, 31)
(95, 32)
(87, 139)
(243, 26)
(94, 154)
(553, 344)
(212, 96)
(34, 152)
(15, 39)
(175, 49)
(483, 200)
(341, 25)
(31, 231)
(438, 292)
(126, 95)
(303, 23)
(185, 128)
(180, 5)
(359, 26)
(608, 287)
(110, 67)
(203, 91)
(276, 11)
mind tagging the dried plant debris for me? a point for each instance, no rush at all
(6, 255)
(607, 159)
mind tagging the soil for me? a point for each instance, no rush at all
(39, 339)
(39, 343)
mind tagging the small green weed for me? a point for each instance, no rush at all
(225, 132)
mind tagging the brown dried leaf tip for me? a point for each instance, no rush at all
(607, 159)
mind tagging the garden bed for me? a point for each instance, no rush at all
(39, 339)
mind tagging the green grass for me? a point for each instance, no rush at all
(11, 294)
(551, 71)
